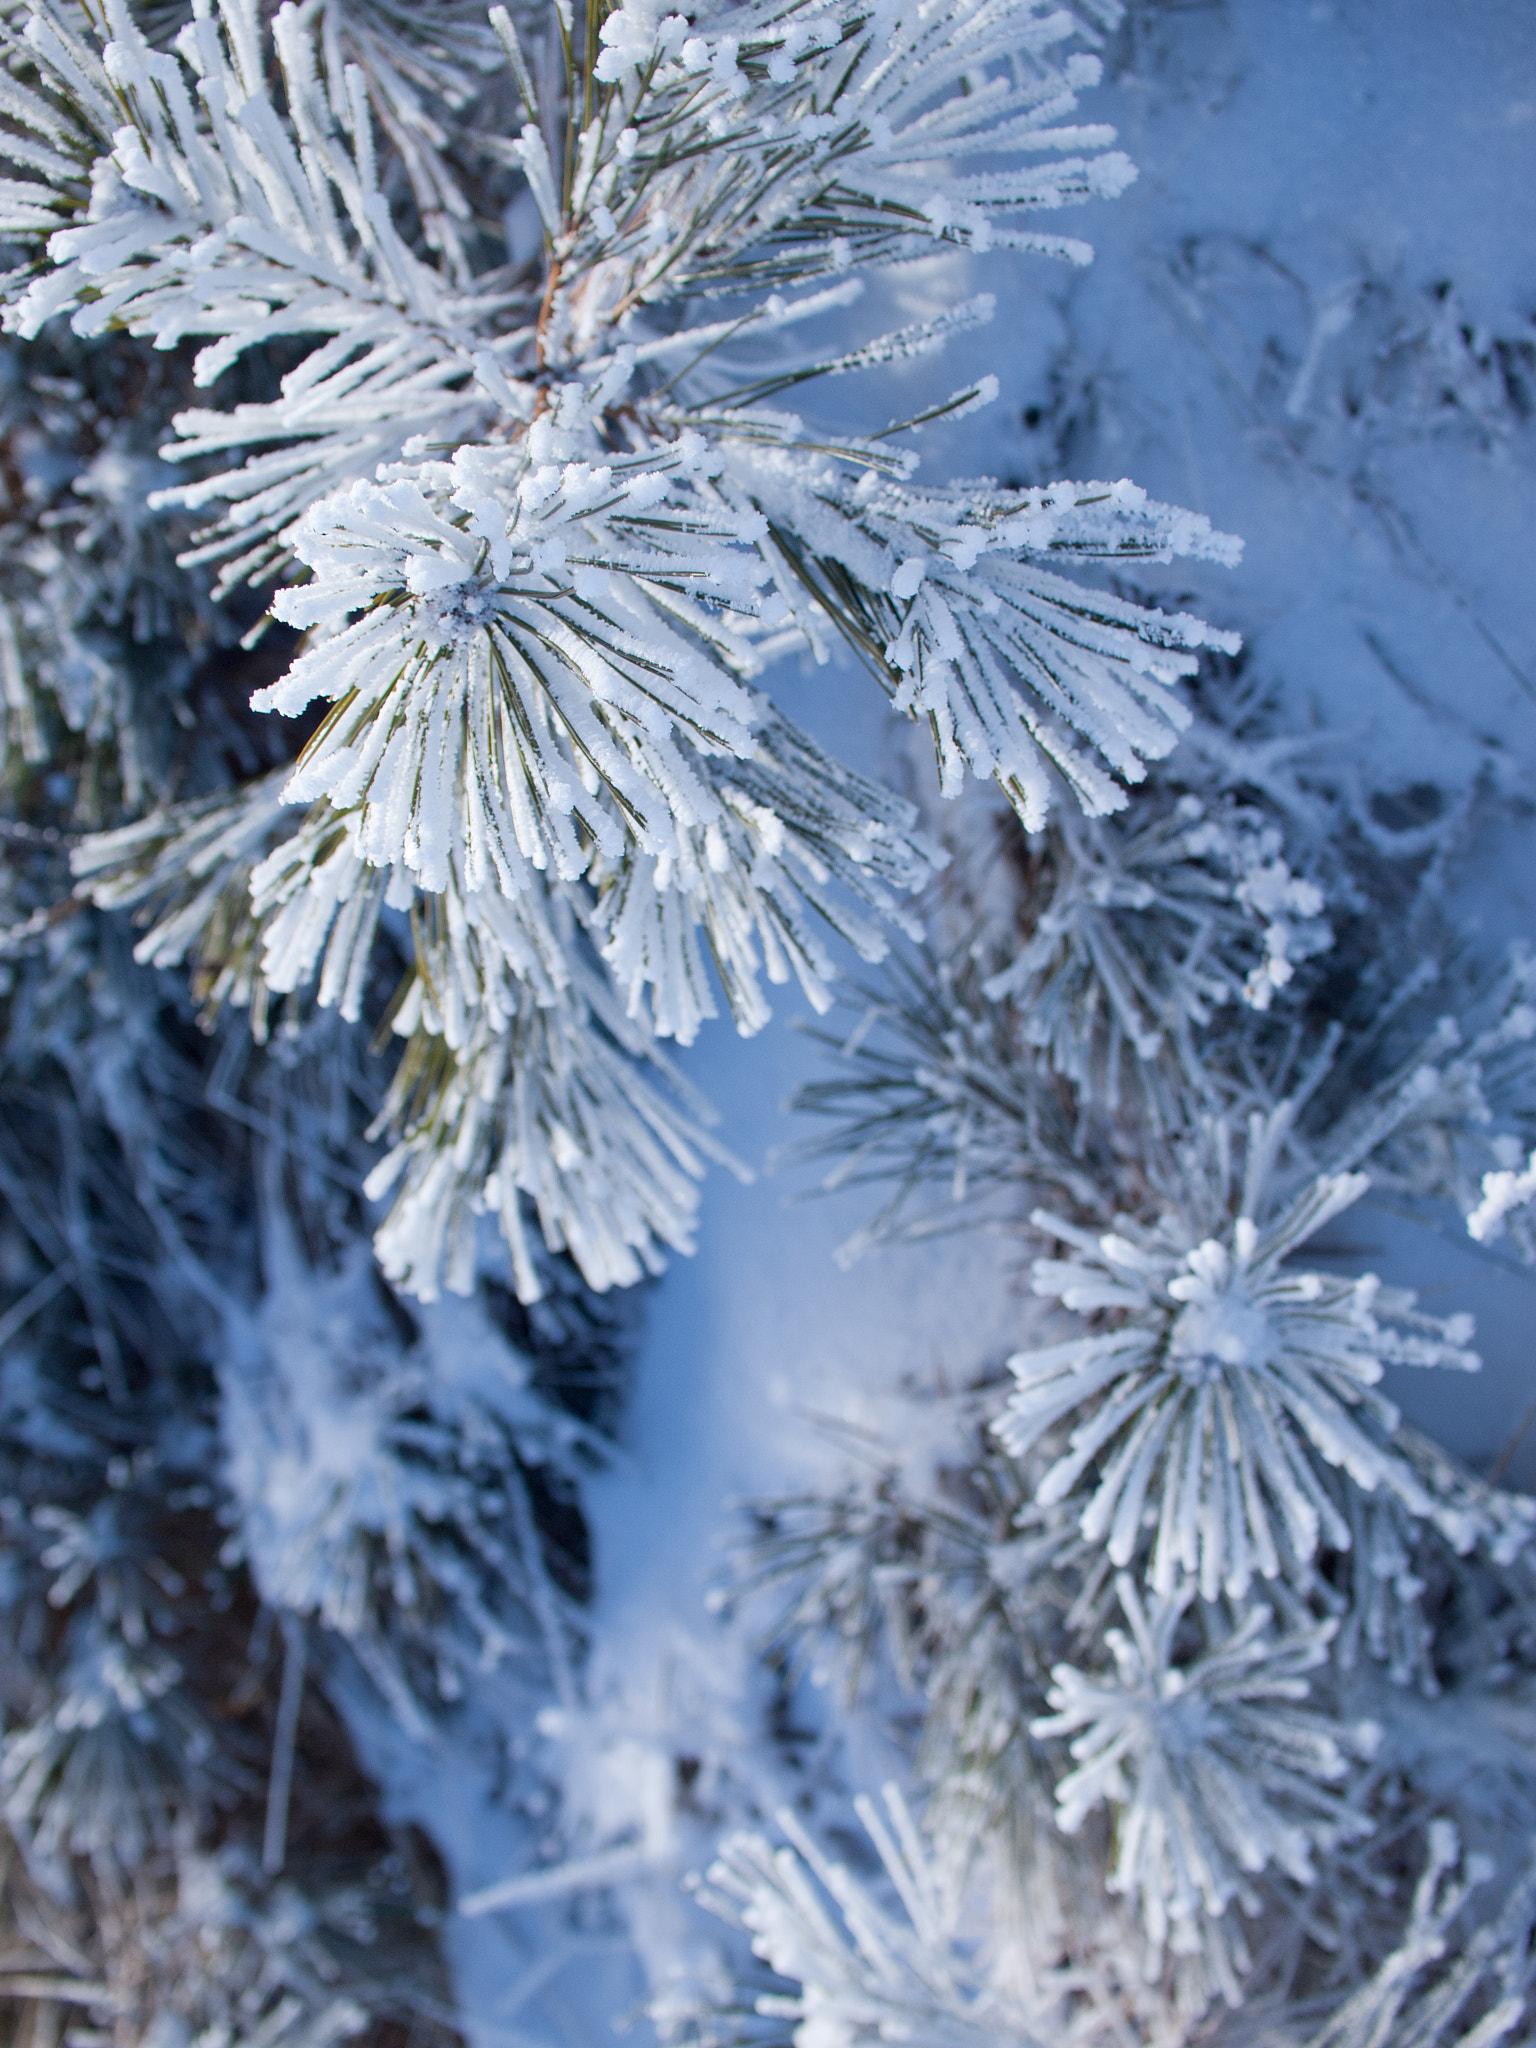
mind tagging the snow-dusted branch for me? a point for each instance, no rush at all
(1216, 1767)
(1227, 1388)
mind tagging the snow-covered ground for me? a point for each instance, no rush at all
(1311, 318)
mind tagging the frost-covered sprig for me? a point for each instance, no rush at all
(939, 1096)
(523, 1083)
(212, 222)
(528, 687)
(1095, 662)
(1138, 931)
(1456, 1119)
(1215, 1768)
(113, 1759)
(1447, 1984)
(977, 1074)
(947, 596)
(497, 990)
(555, 1111)
(1206, 1419)
(514, 664)
(213, 214)
(270, 901)
(98, 625)
(723, 149)
(866, 1973)
(976, 1608)
(964, 1594)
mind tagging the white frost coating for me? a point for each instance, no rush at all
(866, 1973)
(792, 824)
(978, 1603)
(1011, 663)
(1455, 1979)
(1504, 1190)
(1214, 1767)
(554, 1110)
(535, 656)
(1146, 928)
(216, 216)
(100, 1772)
(1213, 1422)
(1461, 1109)
(484, 701)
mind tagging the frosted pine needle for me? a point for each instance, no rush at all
(1214, 1765)
(1208, 1418)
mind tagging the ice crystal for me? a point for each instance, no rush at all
(866, 1973)
(1504, 1191)
(1209, 1418)
(1443, 1986)
(1138, 933)
(1215, 1768)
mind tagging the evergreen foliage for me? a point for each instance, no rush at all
(405, 526)
(540, 527)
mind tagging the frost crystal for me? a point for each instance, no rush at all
(1137, 934)
(1215, 1420)
(1504, 1191)
(865, 1973)
(1215, 1769)
(1435, 1990)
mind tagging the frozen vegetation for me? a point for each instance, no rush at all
(533, 537)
